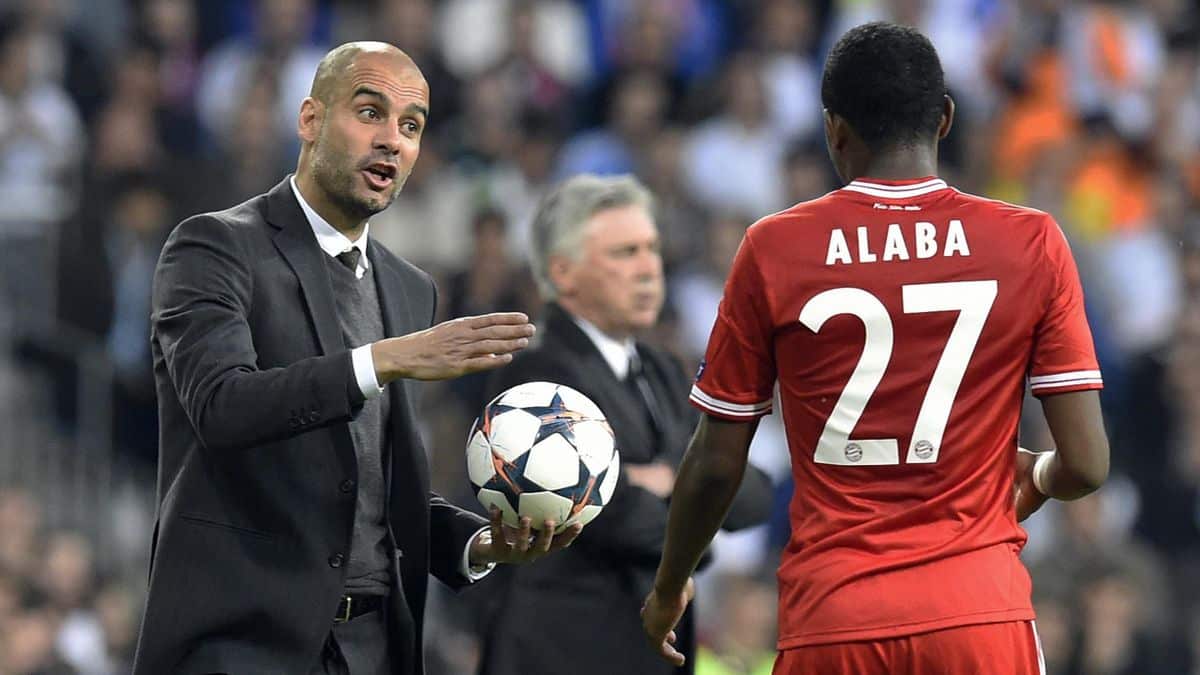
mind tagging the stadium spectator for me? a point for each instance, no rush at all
(637, 111)
(739, 148)
(517, 184)
(680, 217)
(784, 34)
(743, 643)
(279, 53)
(40, 133)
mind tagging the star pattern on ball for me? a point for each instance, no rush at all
(508, 477)
(556, 419)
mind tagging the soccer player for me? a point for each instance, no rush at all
(901, 319)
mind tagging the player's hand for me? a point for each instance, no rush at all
(657, 478)
(660, 615)
(452, 348)
(504, 544)
(1025, 495)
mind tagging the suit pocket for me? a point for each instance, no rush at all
(236, 529)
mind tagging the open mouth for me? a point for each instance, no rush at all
(380, 176)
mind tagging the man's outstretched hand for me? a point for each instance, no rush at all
(504, 544)
(660, 615)
(452, 348)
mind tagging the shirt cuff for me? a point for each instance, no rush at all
(474, 574)
(364, 371)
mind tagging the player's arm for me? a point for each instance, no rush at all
(708, 480)
(1065, 376)
(752, 503)
(1078, 465)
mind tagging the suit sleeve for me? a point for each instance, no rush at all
(451, 528)
(202, 296)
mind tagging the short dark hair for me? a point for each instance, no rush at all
(885, 80)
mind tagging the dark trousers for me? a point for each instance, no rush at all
(357, 647)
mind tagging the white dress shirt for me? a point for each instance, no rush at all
(616, 352)
(334, 243)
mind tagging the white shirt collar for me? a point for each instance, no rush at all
(330, 240)
(615, 352)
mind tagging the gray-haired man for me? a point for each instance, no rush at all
(597, 263)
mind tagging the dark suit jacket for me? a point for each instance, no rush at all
(577, 611)
(256, 488)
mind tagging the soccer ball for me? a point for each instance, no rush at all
(545, 451)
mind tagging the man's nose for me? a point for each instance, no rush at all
(649, 264)
(388, 139)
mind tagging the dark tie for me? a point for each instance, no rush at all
(637, 376)
(350, 258)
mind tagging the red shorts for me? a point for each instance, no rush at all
(986, 649)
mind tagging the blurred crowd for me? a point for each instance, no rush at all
(118, 118)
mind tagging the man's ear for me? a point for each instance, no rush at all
(308, 126)
(561, 271)
(835, 130)
(947, 117)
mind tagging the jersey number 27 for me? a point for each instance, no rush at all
(973, 301)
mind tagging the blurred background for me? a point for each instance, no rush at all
(120, 117)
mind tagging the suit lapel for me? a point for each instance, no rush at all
(298, 245)
(407, 471)
(393, 298)
(635, 438)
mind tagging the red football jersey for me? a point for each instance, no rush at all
(901, 320)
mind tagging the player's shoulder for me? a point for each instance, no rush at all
(792, 220)
(1015, 214)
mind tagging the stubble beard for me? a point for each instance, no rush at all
(338, 180)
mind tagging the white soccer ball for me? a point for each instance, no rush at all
(545, 451)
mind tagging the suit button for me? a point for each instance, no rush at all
(335, 560)
(295, 422)
(347, 485)
(312, 417)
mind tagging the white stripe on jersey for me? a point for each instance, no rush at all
(1058, 377)
(723, 407)
(1067, 383)
(897, 188)
(896, 191)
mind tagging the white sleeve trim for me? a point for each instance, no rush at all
(364, 371)
(1071, 379)
(720, 407)
(1058, 377)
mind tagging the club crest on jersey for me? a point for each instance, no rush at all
(923, 240)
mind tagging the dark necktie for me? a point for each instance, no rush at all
(637, 376)
(350, 259)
